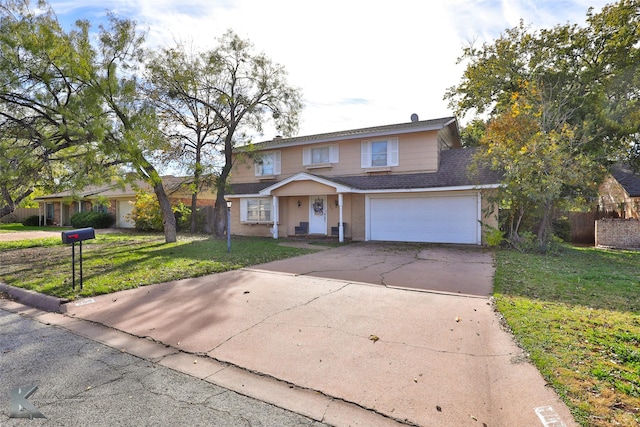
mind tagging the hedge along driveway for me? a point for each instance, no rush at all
(114, 262)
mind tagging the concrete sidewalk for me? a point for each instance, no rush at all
(391, 355)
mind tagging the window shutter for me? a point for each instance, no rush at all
(243, 210)
(334, 153)
(306, 156)
(392, 152)
(258, 167)
(365, 160)
(276, 163)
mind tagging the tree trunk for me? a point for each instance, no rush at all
(152, 176)
(194, 212)
(168, 219)
(545, 231)
(196, 184)
(9, 206)
(221, 185)
(220, 226)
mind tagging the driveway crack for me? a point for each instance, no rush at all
(278, 313)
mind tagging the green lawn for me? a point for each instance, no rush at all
(114, 262)
(577, 313)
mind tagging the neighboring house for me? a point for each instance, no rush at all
(406, 182)
(620, 193)
(117, 200)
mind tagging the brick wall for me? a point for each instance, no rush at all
(618, 233)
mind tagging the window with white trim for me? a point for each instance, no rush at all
(256, 209)
(268, 164)
(322, 155)
(379, 153)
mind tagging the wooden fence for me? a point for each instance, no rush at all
(19, 215)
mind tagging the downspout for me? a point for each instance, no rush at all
(340, 224)
(275, 217)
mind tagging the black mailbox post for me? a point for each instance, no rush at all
(72, 237)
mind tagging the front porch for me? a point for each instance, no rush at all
(302, 206)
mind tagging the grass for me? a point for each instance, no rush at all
(577, 314)
(114, 262)
(14, 227)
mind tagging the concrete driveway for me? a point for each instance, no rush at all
(323, 325)
(444, 268)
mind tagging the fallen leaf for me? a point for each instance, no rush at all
(374, 338)
(246, 292)
(195, 361)
(438, 408)
(415, 380)
(458, 319)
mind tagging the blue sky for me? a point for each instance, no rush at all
(359, 63)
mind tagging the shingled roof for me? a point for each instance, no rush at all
(627, 178)
(416, 126)
(453, 172)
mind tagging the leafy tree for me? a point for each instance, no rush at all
(248, 89)
(543, 170)
(472, 133)
(70, 107)
(561, 102)
(175, 84)
(43, 121)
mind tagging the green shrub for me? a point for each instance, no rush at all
(92, 219)
(147, 216)
(30, 221)
(146, 213)
(494, 236)
(562, 229)
(183, 218)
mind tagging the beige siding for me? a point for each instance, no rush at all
(614, 198)
(489, 213)
(300, 188)
(418, 152)
(357, 217)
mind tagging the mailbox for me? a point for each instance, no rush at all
(78, 235)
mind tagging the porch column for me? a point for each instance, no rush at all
(276, 216)
(340, 225)
(61, 211)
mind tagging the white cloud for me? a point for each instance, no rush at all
(359, 63)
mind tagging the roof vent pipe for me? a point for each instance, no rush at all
(414, 117)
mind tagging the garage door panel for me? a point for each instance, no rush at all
(433, 219)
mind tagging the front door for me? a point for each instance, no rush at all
(318, 215)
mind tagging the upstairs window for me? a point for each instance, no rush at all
(320, 155)
(379, 153)
(268, 164)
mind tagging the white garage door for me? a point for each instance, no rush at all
(124, 209)
(434, 219)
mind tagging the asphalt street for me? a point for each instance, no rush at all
(82, 382)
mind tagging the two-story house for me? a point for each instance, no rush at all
(406, 182)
